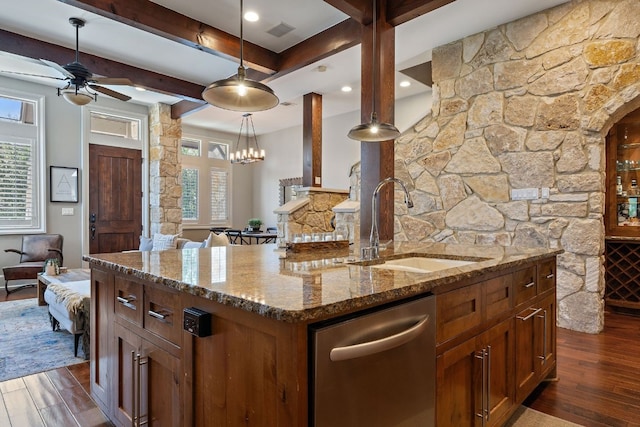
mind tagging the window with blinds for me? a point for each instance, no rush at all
(22, 170)
(206, 182)
(219, 191)
(190, 194)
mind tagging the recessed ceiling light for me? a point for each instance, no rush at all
(140, 89)
(346, 88)
(251, 16)
(405, 83)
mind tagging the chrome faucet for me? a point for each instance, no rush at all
(372, 252)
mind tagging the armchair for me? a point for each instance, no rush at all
(35, 250)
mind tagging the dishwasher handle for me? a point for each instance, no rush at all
(372, 347)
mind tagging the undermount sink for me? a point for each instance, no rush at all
(421, 264)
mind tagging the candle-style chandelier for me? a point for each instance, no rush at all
(251, 152)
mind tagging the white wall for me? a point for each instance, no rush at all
(63, 138)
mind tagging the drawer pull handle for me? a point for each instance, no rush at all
(127, 302)
(157, 315)
(550, 276)
(530, 284)
(533, 313)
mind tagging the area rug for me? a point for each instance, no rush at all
(27, 343)
(527, 417)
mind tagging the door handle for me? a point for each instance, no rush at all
(378, 346)
(92, 229)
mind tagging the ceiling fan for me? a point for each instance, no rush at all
(82, 85)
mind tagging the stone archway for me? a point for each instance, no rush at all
(527, 104)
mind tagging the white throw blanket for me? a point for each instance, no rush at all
(75, 295)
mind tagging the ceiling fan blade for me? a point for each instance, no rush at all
(111, 93)
(117, 81)
(58, 68)
(33, 75)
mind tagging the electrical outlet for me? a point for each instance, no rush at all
(67, 211)
(318, 180)
(524, 194)
(544, 192)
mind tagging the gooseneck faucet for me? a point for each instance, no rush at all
(372, 252)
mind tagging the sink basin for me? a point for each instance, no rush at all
(421, 264)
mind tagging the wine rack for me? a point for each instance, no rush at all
(622, 274)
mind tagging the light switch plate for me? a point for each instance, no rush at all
(67, 211)
(524, 194)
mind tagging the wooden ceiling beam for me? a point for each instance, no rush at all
(359, 10)
(401, 11)
(341, 36)
(153, 18)
(36, 49)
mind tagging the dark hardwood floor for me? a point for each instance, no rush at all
(598, 383)
(598, 376)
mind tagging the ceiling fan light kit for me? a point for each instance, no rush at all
(77, 97)
(374, 131)
(238, 93)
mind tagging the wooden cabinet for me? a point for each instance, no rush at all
(147, 382)
(100, 370)
(496, 343)
(474, 381)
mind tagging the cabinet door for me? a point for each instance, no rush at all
(547, 324)
(125, 391)
(474, 380)
(497, 344)
(159, 387)
(101, 330)
(459, 386)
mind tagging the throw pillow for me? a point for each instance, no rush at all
(216, 240)
(146, 243)
(164, 241)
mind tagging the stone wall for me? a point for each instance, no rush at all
(165, 183)
(310, 212)
(527, 104)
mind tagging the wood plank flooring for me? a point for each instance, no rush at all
(598, 383)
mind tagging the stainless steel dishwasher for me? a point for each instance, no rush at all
(376, 369)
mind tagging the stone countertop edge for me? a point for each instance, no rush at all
(390, 286)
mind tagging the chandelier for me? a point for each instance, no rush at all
(251, 152)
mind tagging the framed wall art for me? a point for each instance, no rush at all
(63, 183)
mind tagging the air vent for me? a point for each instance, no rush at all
(281, 29)
(287, 104)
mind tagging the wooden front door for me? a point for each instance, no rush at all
(115, 198)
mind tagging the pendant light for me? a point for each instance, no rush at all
(238, 93)
(374, 131)
(251, 153)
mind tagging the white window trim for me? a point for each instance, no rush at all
(205, 164)
(25, 131)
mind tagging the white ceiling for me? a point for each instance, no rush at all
(48, 20)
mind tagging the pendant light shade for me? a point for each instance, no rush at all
(238, 93)
(374, 131)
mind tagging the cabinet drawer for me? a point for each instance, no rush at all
(458, 311)
(546, 275)
(524, 284)
(498, 295)
(162, 314)
(128, 300)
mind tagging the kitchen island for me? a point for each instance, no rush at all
(254, 365)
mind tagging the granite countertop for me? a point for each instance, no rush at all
(309, 286)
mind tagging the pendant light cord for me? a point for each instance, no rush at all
(373, 59)
(241, 33)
